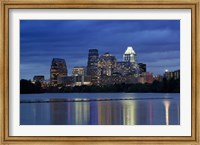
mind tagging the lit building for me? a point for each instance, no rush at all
(79, 76)
(95, 80)
(177, 74)
(38, 78)
(58, 72)
(129, 55)
(106, 64)
(129, 65)
(45, 84)
(79, 71)
(126, 68)
(105, 80)
(168, 75)
(146, 77)
(172, 74)
(142, 67)
(82, 80)
(117, 79)
(93, 58)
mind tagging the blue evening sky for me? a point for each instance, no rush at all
(156, 43)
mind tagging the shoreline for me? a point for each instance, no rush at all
(87, 100)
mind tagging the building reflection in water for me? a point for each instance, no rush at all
(104, 112)
(58, 112)
(172, 113)
(70, 113)
(124, 112)
(116, 112)
(82, 113)
(113, 112)
(129, 112)
(115, 109)
(167, 105)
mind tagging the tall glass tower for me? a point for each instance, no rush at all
(58, 71)
(129, 55)
(92, 65)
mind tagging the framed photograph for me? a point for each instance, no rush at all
(104, 72)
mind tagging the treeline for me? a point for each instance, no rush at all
(27, 87)
(166, 86)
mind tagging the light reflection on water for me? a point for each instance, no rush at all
(111, 112)
(167, 105)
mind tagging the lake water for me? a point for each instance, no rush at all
(100, 109)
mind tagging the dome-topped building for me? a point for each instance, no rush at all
(129, 55)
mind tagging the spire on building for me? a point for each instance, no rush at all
(129, 55)
(129, 50)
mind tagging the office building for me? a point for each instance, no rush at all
(38, 78)
(117, 79)
(177, 74)
(93, 58)
(58, 72)
(106, 64)
(127, 68)
(168, 75)
(172, 74)
(79, 71)
(129, 65)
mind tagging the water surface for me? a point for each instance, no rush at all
(100, 109)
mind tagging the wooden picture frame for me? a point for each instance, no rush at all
(115, 4)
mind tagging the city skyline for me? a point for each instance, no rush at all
(39, 46)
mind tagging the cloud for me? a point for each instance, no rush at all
(154, 41)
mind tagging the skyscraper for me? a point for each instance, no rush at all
(93, 58)
(106, 64)
(129, 55)
(129, 65)
(58, 71)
